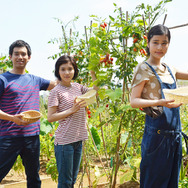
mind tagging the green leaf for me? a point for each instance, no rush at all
(102, 75)
(113, 95)
(120, 38)
(96, 137)
(102, 94)
(140, 22)
(99, 110)
(101, 124)
(45, 127)
(124, 137)
(125, 107)
(111, 18)
(94, 25)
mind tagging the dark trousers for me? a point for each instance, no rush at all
(29, 150)
(161, 160)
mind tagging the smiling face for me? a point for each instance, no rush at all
(66, 72)
(158, 46)
(19, 59)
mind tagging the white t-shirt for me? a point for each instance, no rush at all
(73, 128)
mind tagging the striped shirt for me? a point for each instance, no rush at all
(73, 128)
(19, 93)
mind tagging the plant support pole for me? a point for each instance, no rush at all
(97, 152)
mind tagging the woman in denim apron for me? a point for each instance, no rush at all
(161, 144)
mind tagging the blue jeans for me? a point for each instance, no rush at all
(29, 149)
(68, 159)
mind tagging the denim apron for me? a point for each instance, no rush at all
(161, 146)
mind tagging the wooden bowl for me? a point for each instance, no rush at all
(31, 116)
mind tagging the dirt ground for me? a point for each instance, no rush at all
(15, 180)
(18, 180)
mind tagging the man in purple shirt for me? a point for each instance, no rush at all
(19, 92)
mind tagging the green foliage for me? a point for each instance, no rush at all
(46, 127)
(183, 183)
(52, 169)
(110, 48)
(5, 63)
(46, 146)
(18, 166)
(184, 166)
(96, 137)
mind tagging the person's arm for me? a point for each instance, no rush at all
(14, 118)
(182, 75)
(137, 102)
(52, 84)
(93, 76)
(53, 115)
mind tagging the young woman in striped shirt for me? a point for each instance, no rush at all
(72, 130)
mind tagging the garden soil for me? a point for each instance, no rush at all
(18, 180)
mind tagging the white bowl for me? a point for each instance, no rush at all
(180, 95)
(89, 97)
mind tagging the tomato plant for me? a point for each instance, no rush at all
(111, 49)
(5, 63)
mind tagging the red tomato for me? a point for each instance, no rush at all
(135, 49)
(107, 55)
(105, 24)
(102, 26)
(142, 51)
(134, 35)
(135, 40)
(144, 36)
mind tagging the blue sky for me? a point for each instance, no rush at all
(32, 21)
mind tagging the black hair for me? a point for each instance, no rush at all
(158, 30)
(20, 43)
(63, 60)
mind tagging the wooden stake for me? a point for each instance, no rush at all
(183, 25)
(86, 36)
(119, 132)
(144, 24)
(164, 19)
(64, 34)
(124, 47)
(149, 20)
(70, 41)
(108, 27)
(122, 29)
(90, 28)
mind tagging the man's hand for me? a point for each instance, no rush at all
(18, 119)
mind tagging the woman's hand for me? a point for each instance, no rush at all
(77, 105)
(53, 115)
(169, 103)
